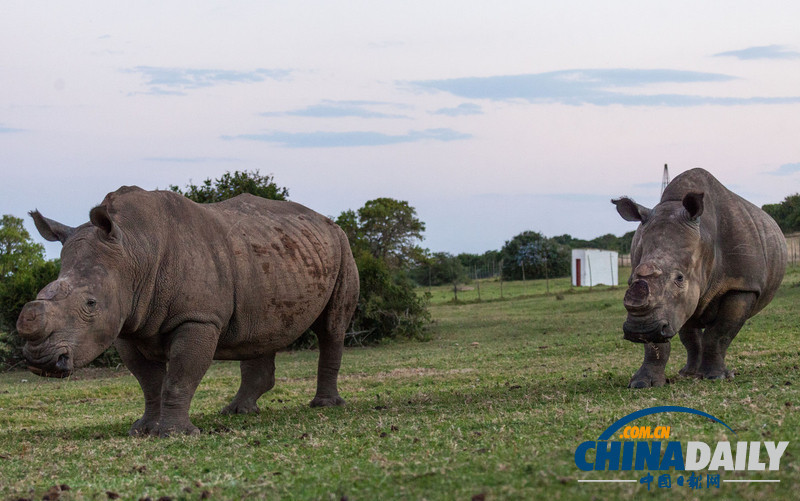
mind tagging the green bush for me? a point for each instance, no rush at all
(15, 290)
(388, 307)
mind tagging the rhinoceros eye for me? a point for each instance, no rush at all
(91, 303)
(679, 278)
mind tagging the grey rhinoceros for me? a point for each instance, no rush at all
(703, 261)
(174, 284)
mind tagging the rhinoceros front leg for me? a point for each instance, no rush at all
(190, 355)
(692, 339)
(150, 375)
(258, 377)
(651, 373)
(734, 310)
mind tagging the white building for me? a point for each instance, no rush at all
(594, 267)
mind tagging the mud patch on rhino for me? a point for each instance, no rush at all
(290, 245)
(261, 250)
(287, 319)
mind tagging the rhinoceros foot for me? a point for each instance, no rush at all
(723, 373)
(175, 429)
(240, 408)
(327, 401)
(690, 372)
(645, 378)
(143, 427)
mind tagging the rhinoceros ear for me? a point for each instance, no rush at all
(693, 203)
(630, 210)
(107, 228)
(52, 231)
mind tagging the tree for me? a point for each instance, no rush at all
(23, 273)
(535, 256)
(17, 250)
(439, 268)
(786, 213)
(348, 222)
(382, 235)
(390, 229)
(480, 265)
(388, 306)
(230, 185)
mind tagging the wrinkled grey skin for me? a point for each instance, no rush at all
(704, 260)
(174, 284)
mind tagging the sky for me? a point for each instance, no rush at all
(490, 118)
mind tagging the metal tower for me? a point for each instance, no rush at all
(664, 179)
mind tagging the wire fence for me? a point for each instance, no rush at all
(793, 247)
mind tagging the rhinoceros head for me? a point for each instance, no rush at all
(78, 316)
(668, 269)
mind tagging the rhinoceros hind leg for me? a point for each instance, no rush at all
(331, 344)
(734, 310)
(258, 377)
(651, 373)
(330, 329)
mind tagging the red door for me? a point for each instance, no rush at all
(578, 272)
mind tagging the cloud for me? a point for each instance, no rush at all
(579, 87)
(191, 160)
(786, 169)
(9, 130)
(349, 139)
(460, 110)
(762, 52)
(338, 109)
(175, 81)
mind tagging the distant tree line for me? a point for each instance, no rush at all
(786, 213)
(529, 255)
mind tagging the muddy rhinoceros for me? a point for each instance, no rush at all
(703, 261)
(174, 284)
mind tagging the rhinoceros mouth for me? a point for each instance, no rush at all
(657, 331)
(54, 362)
(54, 373)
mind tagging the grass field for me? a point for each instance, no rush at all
(493, 406)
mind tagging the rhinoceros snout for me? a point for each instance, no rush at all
(32, 321)
(637, 297)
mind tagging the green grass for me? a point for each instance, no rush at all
(494, 404)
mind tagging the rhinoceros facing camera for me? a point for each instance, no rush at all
(703, 261)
